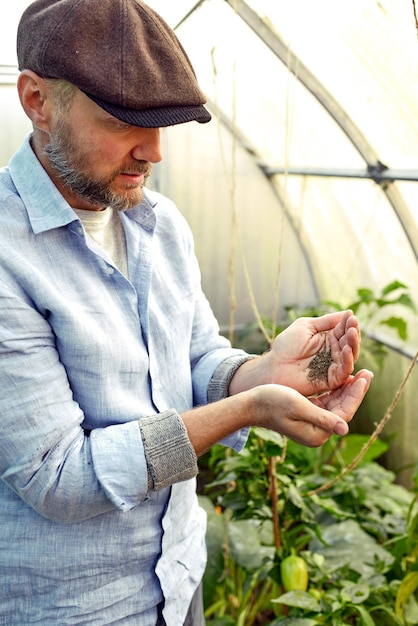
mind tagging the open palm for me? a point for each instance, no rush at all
(316, 354)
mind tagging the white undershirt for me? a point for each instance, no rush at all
(105, 228)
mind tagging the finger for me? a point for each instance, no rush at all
(351, 336)
(313, 427)
(363, 374)
(331, 422)
(327, 423)
(345, 351)
(331, 321)
(341, 367)
(341, 328)
(366, 375)
(345, 332)
(352, 322)
(345, 401)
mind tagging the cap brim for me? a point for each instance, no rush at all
(157, 117)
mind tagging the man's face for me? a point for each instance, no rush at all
(96, 160)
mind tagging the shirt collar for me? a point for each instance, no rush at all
(44, 204)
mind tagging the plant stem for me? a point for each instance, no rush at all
(274, 498)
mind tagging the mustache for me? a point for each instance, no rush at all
(139, 167)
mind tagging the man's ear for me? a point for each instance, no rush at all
(35, 99)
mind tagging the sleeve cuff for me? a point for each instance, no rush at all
(222, 376)
(170, 456)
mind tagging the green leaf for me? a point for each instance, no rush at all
(295, 497)
(398, 324)
(357, 593)
(376, 483)
(388, 616)
(354, 306)
(403, 300)
(293, 621)
(332, 304)
(365, 294)
(214, 542)
(406, 301)
(225, 620)
(393, 286)
(330, 506)
(300, 600)
(303, 457)
(246, 547)
(269, 435)
(411, 611)
(407, 587)
(366, 618)
(347, 545)
(413, 533)
(353, 443)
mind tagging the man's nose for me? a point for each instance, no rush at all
(148, 145)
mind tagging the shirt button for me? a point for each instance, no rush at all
(109, 270)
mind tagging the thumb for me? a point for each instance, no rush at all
(340, 428)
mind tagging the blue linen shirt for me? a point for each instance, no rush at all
(84, 354)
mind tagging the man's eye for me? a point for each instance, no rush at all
(122, 125)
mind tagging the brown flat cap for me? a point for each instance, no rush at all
(120, 53)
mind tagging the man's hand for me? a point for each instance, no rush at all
(302, 388)
(314, 354)
(311, 421)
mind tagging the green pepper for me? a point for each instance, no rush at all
(316, 593)
(294, 572)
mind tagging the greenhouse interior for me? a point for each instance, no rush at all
(302, 196)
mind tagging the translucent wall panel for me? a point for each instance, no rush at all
(15, 124)
(11, 11)
(365, 54)
(354, 239)
(246, 246)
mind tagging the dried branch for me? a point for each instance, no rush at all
(380, 426)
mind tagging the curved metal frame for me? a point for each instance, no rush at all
(375, 170)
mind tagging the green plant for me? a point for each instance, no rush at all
(237, 588)
(409, 563)
(354, 540)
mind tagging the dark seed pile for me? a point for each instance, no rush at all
(318, 367)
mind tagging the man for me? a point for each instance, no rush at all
(114, 377)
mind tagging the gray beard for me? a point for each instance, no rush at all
(61, 157)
